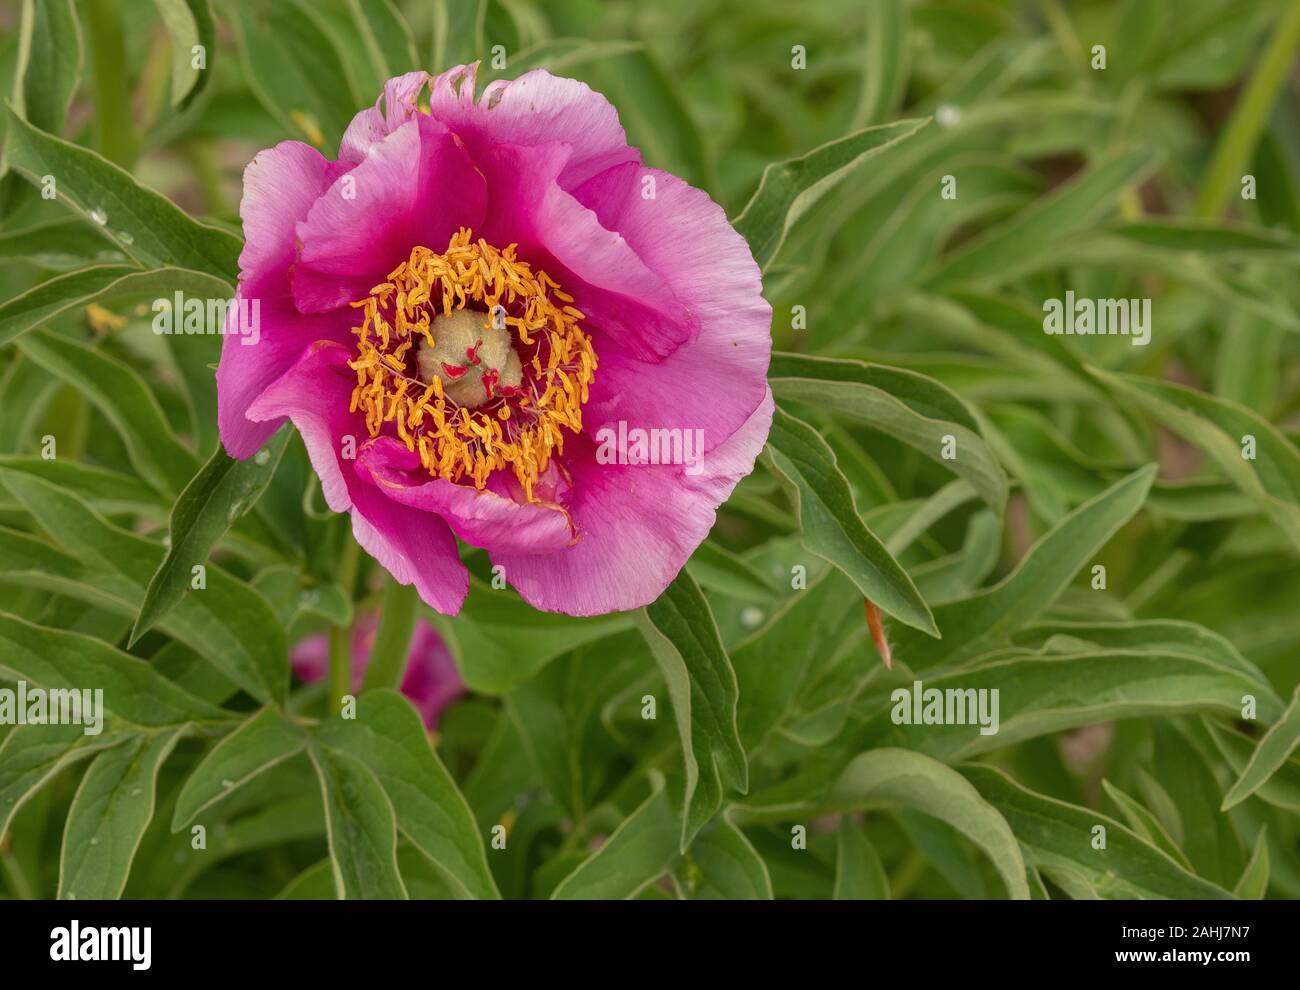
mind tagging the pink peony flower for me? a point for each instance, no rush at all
(488, 318)
(432, 681)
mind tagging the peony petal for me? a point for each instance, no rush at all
(716, 380)
(537, 108)
(417, 186)
(400, 100)
(415, 547)
(280, 186)
(250, 363)
(481, 518)
(638, 525)
(623, 299)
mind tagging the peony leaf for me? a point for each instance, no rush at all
(789, 189)
(1057, 840)
(111, 809)
(643, 848)
(900, 776)
(912, 408)
(226, 621)
(189, 22)
(859, 875)
(969, 625)
(31, 755)
(261, 741)
(386, 37)
(388, 737)
(143, 224)
(1270, 755)
(126, 402)
(361, 826)
(832, 528)
(683, 637)
(222, 491)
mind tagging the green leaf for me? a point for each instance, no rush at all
(99, 283)
(886, 62)
(189, 22)
(222, 491)
(499, 641)
(643, 848)
(724, 865)
(969, 625)
(59, 245)
(1012, 247)
(832, 528)
(142, 223)
(1220, 428)
(910, 407)
(262, 741)
(388, 737)
(718, 569)
(31, 755)
(56, 659)
(900, 776)
(111, 809)
(126, 402)
(109, 491)
(859, 875)
(683, 636)
(49, 62)
(227, 622)
(1056, 692)
(1057, 839)
(1253, 884)
(361, 826)
(789, 189)
(1145, 824)
(1272, 752)
(386, 36)
(294, 70)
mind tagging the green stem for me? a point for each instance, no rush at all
(1249, 117)
(114, 131)
(393, 637)
(340, 669)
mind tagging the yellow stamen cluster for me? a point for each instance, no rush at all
(522, 427)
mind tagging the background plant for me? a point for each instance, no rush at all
(905, 321)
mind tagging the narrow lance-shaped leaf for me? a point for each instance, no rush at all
(222, 491)
(643, 848)
(684, 638)
(1271, 753)
(227, 622)
(1058, 838)
(32, 754)
(111, 809)
(144, 224)
(361, 827)
(389, 738)
(97, 284)
(263, 740)
(1251, 451)
(969, 624)
(905, 405)
(859, 875)
(831, 526)
(49, 62)
(903, 777)
(790, 188)
(126, 402)
(1001, 253)
(189, 22)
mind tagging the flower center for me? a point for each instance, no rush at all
(474, 360)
